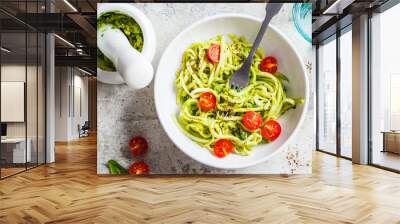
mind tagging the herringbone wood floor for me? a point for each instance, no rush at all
(69, 191)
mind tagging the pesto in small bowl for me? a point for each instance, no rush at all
(128, 26)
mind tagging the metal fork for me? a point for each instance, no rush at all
(240, 78)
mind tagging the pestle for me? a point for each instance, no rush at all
(134, 68)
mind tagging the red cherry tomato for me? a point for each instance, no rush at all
(213, 53)
(252, 120)
(207, 101)
(269, 64)
(223, 147)
(138, 145)
(138, 168)
(271, 130)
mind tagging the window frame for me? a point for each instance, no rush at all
(31, 30)
(333, 37)
(381, 9)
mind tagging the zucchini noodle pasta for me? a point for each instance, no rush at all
(264, 94)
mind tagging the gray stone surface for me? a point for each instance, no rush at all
(123, 113)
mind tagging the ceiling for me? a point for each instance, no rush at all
(329, 16)
(74, 22)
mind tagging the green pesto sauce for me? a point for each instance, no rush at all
(128, 26)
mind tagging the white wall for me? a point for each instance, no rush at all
(81, 108)
(70, 83)
(61, 103)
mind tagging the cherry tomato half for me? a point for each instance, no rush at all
(138, 145)
(223, 147)
(252, 120)
(207, 101)
(213, 53)
(271, 130)
(138, 168)
(269, 64)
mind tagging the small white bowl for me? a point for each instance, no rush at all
(149, 37)
(274, 43)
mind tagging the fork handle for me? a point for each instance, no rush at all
(271, 11)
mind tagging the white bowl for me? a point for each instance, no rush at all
(149, 36)
(274, 43)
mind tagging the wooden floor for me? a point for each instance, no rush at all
(387, 159)
(5, 172)
(69, 191)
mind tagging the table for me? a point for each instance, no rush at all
(391, 141)
(16, 153)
